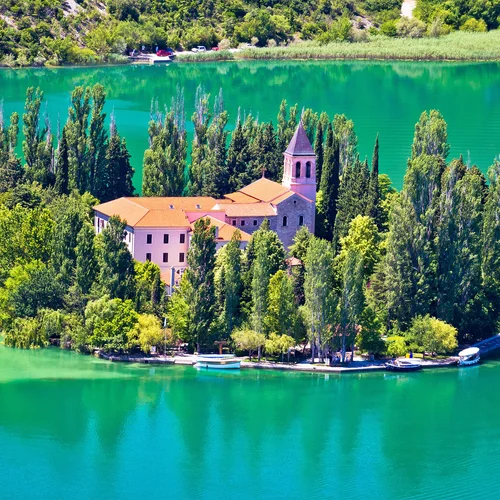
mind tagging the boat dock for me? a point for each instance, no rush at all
(150, 59)
(489, 345)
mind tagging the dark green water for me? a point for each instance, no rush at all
(76, 427)
(384, 98)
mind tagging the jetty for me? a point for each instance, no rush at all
(150, 59)
(487, 346)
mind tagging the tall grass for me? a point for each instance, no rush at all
(457, 46)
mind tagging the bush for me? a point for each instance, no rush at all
(389, 29)
(474, 25)
(410, 28)
(428, 334)
(224, 44)
(396, 346)
(339, 31)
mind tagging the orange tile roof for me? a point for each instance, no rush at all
(249, 210)
(283, 197)
(264, 190)
(240, 197)
(155, 212)
(226, 231)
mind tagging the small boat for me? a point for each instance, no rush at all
(219, 361)
(403, 365)
(469, 356)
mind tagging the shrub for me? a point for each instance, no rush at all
(389, 29)
(410, 28)
(432, 335)
(396, 346)
(271, 43)
(474, 25)
(224, 44)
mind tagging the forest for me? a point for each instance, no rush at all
(56, 32)
(385, 272)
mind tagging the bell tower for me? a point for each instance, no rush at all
(299, 171)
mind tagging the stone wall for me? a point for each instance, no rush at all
(292, 208)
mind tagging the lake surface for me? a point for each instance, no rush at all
(77, 427)
(381, 97)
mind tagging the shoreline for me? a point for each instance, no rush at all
(355, 366)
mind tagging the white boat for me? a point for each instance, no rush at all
(469, 356)
(403, 365)
(219, 361)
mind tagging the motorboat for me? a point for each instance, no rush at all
(469, 356)
(403, 365)
(219, 361)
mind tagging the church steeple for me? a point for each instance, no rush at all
(299, 171)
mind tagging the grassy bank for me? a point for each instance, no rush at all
(457, 46)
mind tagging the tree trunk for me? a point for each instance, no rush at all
(343, 349)
(259, 352)
(250, 355)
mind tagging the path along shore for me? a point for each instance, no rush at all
(353, 367)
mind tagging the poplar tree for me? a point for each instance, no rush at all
(77, 139)
(318, 151)
(200, 282)
(459, 247)
(119, 172)
(86, 262)
(281, 308)
(310, 122)
(115, 263)
(215, 167)
(97, 145)
(411, 243)
(490, 264)
(164, 162)
(319, 298)
(11, 171)
(238, 158)
(343, 129)
(62, 170)
(352, 299)
(431, 136)
(260, 283)
(287, 123)
(228, 283)
(37, 145)
(199, 149)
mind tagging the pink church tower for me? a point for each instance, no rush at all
(299, 172)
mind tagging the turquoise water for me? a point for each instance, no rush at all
(76, 427)
(381, 97)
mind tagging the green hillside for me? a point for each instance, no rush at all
(37, 32)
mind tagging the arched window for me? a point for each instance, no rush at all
(297, 169)
(308, 169)
(285, 221)
(301, 220)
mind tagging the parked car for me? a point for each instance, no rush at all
(215, 48)
(164, 53)
(202, 48)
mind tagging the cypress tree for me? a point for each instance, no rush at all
(329, 188)
(431, 136)
(11, 171)
(372, 208)
(264, 153)
(61, 185)
(238, 157)
(318, 151)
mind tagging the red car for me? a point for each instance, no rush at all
(164, 53)
(215, 48)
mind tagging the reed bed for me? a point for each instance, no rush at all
(457, 46)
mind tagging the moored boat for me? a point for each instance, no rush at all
(468, 357)
(219, 361)
(403, 365)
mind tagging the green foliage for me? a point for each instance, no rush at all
(248, 340)
(146, 333)
(369, 336)
(396, 346)
(281, 309)
(432, 335)
(278, 344)
(431, 135)
(108, 323)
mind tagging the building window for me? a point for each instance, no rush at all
(165, 257)
(308, 169)
(182, 238)
(255, 222)
(165, 239)
(149, 239)
(148, 256)
(297, 169)
(198, 207)
(285, 221)
(301, 220)
(242, 223)
(181, 257)
(171, 207)
(234, 223)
